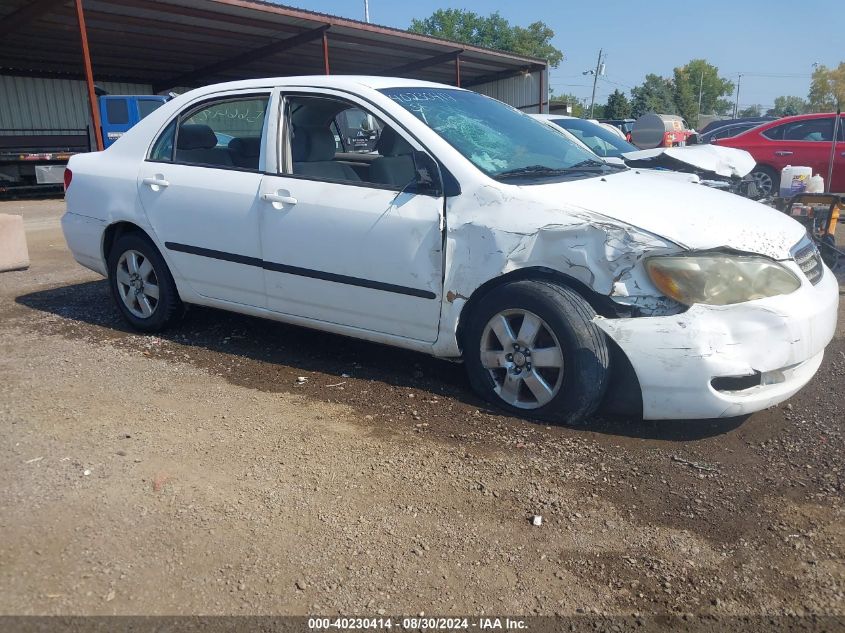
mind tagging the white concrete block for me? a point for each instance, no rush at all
(13, 252)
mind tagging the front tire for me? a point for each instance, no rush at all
(531, 348)
(141, 284)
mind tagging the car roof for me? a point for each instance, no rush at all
(787, 119)
(738, 121)
(349, 82)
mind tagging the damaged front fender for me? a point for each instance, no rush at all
(601, 253)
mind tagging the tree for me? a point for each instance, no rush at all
(618, 106)
(654, 95)
(699, 77)
(827, 88)
(492, 31)
(788, 106)
(684, 97)
(751, 111)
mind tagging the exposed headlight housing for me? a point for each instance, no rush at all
(720, 278)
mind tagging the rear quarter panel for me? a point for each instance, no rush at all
(103, 191)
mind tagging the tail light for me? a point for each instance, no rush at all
(68, 177)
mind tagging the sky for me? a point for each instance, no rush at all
(773, 43)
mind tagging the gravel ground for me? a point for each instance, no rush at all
(196, 473)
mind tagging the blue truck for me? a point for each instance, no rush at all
(32, 160)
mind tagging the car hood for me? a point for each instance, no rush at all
(722, 161)
(691, 215)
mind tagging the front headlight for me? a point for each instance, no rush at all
(720, 278)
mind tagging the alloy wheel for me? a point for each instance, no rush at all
(137, 284)
(764, 183)
(524, 358)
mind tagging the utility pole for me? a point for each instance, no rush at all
(700, 88)
(367, 11)
(595, 80)
(736, 105)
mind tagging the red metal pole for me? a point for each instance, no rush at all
(89, 77)
(326, 52)
(458, 70)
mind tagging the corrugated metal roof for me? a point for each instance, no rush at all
(158, 41)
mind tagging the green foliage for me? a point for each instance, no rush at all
(751, 111)
(713, 88)
(492, 31)
(685, 99)
(827, 88)
(654, 95)
(679, 95)
(789, 106)
(618, 106)
(697, 76)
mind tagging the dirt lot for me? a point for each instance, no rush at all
(191, 473)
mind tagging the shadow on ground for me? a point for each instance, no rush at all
(272, 355)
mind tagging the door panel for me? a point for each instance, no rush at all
(208, 221)
(353, 255)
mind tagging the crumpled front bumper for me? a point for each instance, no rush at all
(676, 357)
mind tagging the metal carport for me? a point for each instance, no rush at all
(179, 44)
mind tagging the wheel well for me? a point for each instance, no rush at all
(114, 231)
(601, 304)
(627, 395)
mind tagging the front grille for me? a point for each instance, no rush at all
(807, 256)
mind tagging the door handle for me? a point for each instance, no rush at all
(842, 154)
(278, 198)
(156, 182)
(783, 152)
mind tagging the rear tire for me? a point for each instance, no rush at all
(141, 284)
(531, 348)
(767, 181)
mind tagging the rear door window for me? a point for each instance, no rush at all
(812, 130)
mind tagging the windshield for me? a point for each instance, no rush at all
(501, 141)
(599, 139)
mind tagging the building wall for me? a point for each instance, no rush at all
(522, 91)
(31, 102)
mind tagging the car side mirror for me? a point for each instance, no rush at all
(427, 180)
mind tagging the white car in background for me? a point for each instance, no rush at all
(472, 232)
(720, 167)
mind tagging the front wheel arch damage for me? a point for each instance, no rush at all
(603, 305)
(558, 287)
(623, 395)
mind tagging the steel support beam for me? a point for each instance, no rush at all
(505, 74)
(89, 77)
(423, 63)
(326, 52)
(27, 14)
(543, 95)
(458, 70)
(269, 50)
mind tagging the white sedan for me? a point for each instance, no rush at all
(472, 232)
